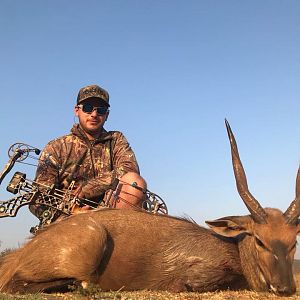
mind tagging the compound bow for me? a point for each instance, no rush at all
(55, 202)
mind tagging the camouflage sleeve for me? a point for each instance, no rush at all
(97, 186)
(47, 172)
(48, 168)
(124, 161)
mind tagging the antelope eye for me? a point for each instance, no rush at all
(260, 243)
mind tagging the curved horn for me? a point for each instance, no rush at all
(257, 212)
(292, 213)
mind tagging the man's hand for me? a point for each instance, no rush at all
(78, 193)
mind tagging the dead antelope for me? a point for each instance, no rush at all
(136, 250)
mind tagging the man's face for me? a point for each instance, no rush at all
(91, 122)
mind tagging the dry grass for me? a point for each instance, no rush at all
(146, 295)
(94, 293)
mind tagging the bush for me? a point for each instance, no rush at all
(4, 253)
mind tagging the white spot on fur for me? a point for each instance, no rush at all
(194, 259)
(93, 221)
(84, 284)
(65, 252)
(262, 277)
(273, 288)
(104, 249)
(91, 227)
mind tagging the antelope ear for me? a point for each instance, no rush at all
(231, 226)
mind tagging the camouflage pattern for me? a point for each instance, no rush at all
(93, 91)
(92, 165)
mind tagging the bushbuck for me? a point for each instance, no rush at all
(133, 250)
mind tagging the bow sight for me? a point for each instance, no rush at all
(17, 152)
(55, 202)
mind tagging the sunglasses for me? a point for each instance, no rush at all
(89, 108)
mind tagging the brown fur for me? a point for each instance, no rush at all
(130, 250)
(123, 249)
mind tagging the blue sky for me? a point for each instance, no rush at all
(174, 71)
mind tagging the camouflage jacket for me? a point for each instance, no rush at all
(92, 165)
